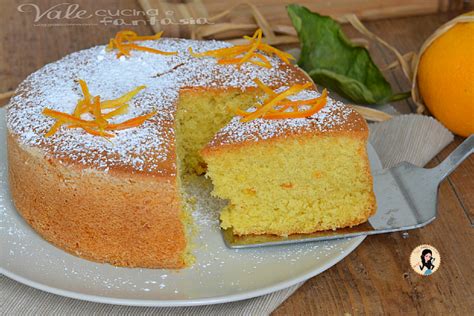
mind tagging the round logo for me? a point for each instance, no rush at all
(425, 259)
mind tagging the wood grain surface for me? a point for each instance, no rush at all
(376, 278)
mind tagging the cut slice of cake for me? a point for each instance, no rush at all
(293, 176)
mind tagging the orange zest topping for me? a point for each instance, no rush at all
(277, 106)
(123, 99)
(240, 54)
(122, 109)
(93, 106)
(97, 133)
(124, 43)
(134, 122)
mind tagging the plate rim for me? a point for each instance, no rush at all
(355, 242)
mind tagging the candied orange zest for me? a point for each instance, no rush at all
(227, 52)
(123, 99)
(264, 61)
(259, 63)
(252, 61)
(301, 114)
(53, 129)
(77, 111)
(85, 91)
(68, 118)
(97, 132)
(283, 105)
(97, 111)
(122, 109)
(124, 43)
(147, 49)
(274, 51)
(264, 108)
(256, 42)
(240, 54)
(99, 124)
(81, 107)
(269, 91)
(134, 122)
(276, 105)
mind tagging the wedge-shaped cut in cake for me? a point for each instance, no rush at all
(293, 176)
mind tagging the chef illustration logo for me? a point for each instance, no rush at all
(425, 259)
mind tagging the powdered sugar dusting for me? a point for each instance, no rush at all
(333, 117)
(149, 147)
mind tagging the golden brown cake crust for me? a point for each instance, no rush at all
(123, 219)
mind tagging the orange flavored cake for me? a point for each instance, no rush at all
(98, 143)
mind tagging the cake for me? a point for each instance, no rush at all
(293, 176)
(118, 200)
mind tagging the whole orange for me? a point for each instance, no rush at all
(446, 78)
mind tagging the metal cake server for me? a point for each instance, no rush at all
(406, 199)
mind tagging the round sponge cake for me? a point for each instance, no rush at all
(118, 200)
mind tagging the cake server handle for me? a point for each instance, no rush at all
(454, 159)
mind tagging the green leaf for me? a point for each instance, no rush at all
(333, 61)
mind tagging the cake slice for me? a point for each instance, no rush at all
(293, 176)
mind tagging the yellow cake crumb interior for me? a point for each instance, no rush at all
(289, 185)
(293, 185)
(200, 114)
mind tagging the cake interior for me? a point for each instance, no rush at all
(293, 185)
(328, 189)
(201, 113)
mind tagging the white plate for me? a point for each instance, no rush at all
(220, 274)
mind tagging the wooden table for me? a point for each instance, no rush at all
(374, 279)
